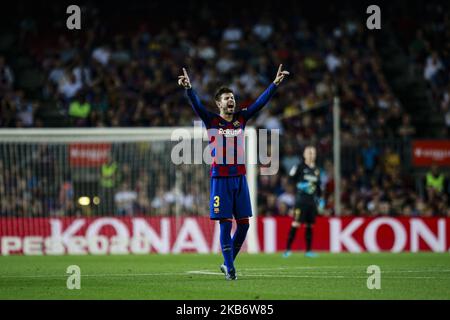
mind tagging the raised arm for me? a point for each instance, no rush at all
(197, 105)
(266, 95)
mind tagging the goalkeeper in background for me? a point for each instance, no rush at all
(306, 177)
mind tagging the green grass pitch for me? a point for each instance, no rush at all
(194, 276)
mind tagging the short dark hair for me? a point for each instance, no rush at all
(221, 91)
(309, 145)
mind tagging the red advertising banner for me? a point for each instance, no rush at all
(358, 234)
(88, 154)
(427, 152)
(143, 235)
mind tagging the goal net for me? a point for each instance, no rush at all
(78, 183)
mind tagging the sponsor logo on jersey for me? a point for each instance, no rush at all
(310, 178)
(230, 132)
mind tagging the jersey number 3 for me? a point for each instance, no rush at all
(216, 201)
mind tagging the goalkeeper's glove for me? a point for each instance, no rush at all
(306, 187)
(320, 204)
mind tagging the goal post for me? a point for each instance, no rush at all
(48, 166)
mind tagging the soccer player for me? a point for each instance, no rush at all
(306, 176)
(229, 195)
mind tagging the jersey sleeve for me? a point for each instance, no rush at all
(260, 102)
(198, 107)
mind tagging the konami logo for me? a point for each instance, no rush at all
(116, 236)
(394, 235)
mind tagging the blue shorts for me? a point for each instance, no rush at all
(229, 197)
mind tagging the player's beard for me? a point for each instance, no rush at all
(229, 110)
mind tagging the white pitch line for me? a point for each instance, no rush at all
(215, 274)
(204, 272)
(350, 271)
(322, 274)
(135, 274)
(256, 275)
(341, 269)
(207, 272)
(344, 269)
(96, 275)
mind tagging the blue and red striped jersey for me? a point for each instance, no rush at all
(227, 138)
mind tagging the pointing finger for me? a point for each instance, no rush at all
(185, 73)
(279, 68)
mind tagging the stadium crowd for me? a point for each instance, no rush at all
(95, 80)
(429, 51)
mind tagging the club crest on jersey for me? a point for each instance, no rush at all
(236, 124)
(216, 210)
(228, 133)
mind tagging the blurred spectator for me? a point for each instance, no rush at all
(125, 200)
(232, 35)
(435, 183)
(80, 109)
(109, 179)
(102, 55)
(69, 86)
(263, 29)
(406, 130)
(369, 154)
(391, 161)
(287, 198)
(432, 66)
(6, 75)
(67, 198)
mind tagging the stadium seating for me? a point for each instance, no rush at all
(127, 77)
